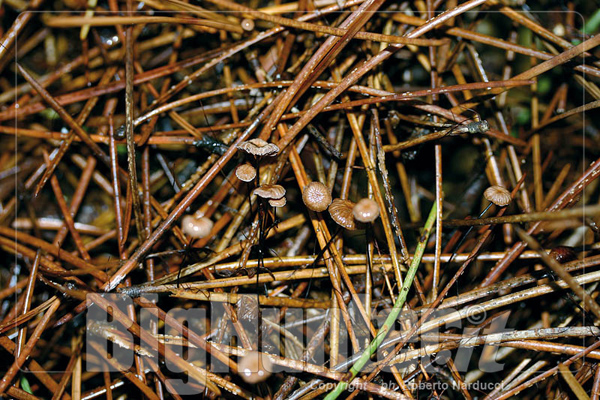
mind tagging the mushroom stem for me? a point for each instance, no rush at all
(484, 211)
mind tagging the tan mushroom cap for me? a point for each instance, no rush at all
(366, 210)
(316, 196)
(497, 195)
(196, 227)
(270, 191)
(255, 367)
(247, 24)
(278, 202)
(258, 147)
(245, 172)
(341, 212)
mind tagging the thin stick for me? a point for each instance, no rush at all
(21, 338)
(573, 383)
(438, 220)
(131, 154)
(574, 213)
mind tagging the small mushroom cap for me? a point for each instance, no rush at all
(247, 24)
(245, 172)
(270, 191)
(316, 196)
(497, 195)
(196, 227)
(366, 210)
(341, 212)
(278, 202)
(258, 147)
(255, 367)
(563, 254)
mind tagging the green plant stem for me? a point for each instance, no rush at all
(382, 333)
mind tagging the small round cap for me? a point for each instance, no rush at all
(341, 212)
(255, 367)
(258, 147)
(366, 210)
(269, 191)
(247, 24)
(316, 196)
(245, 172)
(196, 227)
(497, 195)
(563, 254)
(278, 202)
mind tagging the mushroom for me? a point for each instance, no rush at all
(563, 254)
(247, 24)
(255, 367)
(245, 172)
(341, 212)
(316, 196)
(258, 148)
(366, 210)
(196, 227)
(497, 195)
(278, 202)
(269, 191)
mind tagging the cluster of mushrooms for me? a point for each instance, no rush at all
(316, 196)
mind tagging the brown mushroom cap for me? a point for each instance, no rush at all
(341, 212)
(270, 191)
(316, 196)
(196, 227)
(366, 210)
(258, 147)
(247, 24)
(563, 254)
(278, 202)
(497, 195)
(245, 172)
(255, 367)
